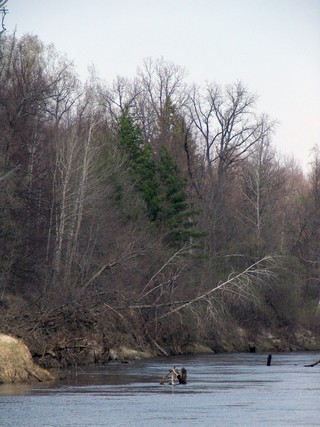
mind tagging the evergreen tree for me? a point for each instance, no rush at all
(140, 162)
(175, 210)
(160, 184)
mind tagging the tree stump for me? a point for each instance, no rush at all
(182, 377)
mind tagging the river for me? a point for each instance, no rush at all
(236, 389)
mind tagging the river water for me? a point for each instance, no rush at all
(222, 390)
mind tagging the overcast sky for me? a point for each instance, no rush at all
(271, 46)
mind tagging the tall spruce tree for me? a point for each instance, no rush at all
(175, 212)
(140, 162)
(160, 184)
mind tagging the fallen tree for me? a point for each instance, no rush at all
(239, 284)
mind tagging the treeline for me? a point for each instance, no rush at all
(146, 207)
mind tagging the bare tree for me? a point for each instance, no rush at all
(227, 129)
(160, 84)
(227, 123)
(75, 187)
(311, 234)
(119, 96)
(38, 88)
(261, 211)
(3, 12)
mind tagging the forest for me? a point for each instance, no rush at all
(148, 212)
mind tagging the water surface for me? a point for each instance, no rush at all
(222, 390)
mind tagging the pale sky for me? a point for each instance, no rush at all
(271, 46)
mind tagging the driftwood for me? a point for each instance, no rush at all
(175, 375)
(313, 364)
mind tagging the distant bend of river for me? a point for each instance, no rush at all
(236, 389)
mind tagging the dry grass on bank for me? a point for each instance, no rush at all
(16, 364)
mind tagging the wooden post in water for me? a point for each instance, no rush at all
(269, 360)
(182, 377)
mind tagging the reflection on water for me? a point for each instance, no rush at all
(222, 390)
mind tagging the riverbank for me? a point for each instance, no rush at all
(70, 337)
(16, 363)
(92, 349)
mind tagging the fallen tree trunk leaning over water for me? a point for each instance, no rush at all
(237, 283)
